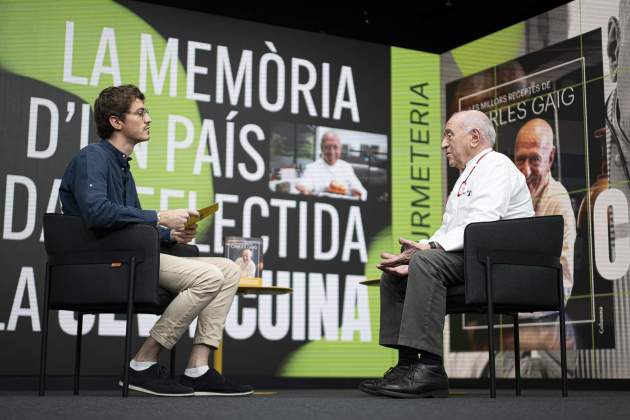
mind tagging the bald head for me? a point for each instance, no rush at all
(538, 131)
(246, 254)
(472, 119)
(331, 147)
(534, 153)
(465, 135)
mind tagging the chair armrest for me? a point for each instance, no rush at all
(542, 235)
(68, 235)
(525, 258)
(180, 250)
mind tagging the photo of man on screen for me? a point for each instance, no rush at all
(618, 102)
(330, 174)
(534, 156)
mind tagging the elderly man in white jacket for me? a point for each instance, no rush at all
(414, 283)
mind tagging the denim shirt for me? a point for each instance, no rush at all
(98, 186)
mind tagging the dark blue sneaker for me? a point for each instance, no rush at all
(213, 383)
(156, 381)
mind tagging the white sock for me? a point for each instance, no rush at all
(139, 366)
(196, 371)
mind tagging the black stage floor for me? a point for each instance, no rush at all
(318, 404)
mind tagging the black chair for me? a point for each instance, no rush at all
(90, 271)
(512, 266)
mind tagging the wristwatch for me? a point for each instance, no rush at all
(434, 245)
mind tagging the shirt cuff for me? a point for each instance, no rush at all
(150, 216)
(165, 235)
(451, 243)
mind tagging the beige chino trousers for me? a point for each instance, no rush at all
(204, 288)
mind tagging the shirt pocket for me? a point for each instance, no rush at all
(464, 196)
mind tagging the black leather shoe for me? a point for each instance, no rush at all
(420, 381)
(371, 386)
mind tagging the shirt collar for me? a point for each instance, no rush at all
(121, 157)
(478, 155)
(328, 165)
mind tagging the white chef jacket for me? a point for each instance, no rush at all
(248, 269)
(489, 188)
(318, 175)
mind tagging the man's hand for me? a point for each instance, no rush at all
(356, 193)
(302, 189)
(185, 235)
(176, 219)
(391, 260)
(407, 244)
(409, 248)
(398, 271)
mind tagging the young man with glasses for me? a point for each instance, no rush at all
(98, 186)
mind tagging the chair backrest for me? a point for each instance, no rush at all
(84, 267)
(529, 280)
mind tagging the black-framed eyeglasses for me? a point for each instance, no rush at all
(142, 112)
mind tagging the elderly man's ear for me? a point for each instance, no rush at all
(612, 49)
(475, 137)
(552, 156)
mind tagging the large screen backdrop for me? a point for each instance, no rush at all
(556, 89)
(239, 112)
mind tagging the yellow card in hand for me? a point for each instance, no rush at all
(203, 213)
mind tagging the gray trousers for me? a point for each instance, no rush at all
(413, 308)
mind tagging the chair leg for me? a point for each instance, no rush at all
(493, 383)
(129, 328)
(517, 356)
(173, 359)
(563, 337)
(77, 353)
(44, 342)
